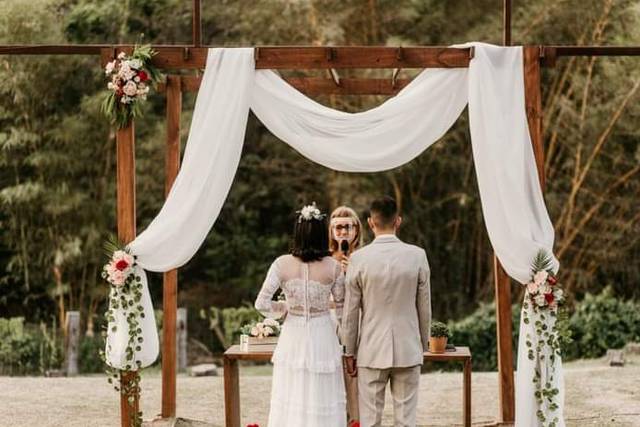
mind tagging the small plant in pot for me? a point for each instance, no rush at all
(439, 337)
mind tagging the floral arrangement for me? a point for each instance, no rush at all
(125, 294)
(310, 212)
(267, 328)
(541, 308)
(129, 79)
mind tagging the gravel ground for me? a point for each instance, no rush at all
(597, 395)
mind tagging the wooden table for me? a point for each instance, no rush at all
(232, 382)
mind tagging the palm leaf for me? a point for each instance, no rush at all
(541, 262)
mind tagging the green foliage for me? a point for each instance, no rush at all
(89, 360)
(439, 329)
(478, 332)
(600, 322)
(28, 349)
(227, 323)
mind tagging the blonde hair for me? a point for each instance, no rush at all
(345, 212)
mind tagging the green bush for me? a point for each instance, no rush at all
(28, 349)
(89, 361)
(600, 322)
(478, 332)
(227, 322)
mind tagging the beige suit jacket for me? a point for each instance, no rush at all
(387, 311)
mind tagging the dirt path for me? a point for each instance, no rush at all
(597, 395)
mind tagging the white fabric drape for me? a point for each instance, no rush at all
(382, 138)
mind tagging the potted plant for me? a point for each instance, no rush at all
(439, 337)
(261, 333)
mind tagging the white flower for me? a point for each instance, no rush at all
(109, 68)
(130, 89)
(268, 331)
(271, 322)
(254, 331)
(532, 287)
(126, 100)
(125, 72)
(310, 211)
(135, 63)
(136, 79)
(540, 300)
(540, 277)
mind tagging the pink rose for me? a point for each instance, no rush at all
(532, 287)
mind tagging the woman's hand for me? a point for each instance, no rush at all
(344, 262)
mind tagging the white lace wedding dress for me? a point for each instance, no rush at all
(308, 386)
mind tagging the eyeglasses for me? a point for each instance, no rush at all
(344, 227)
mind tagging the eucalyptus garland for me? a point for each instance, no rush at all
(125, 295)
(542, 308)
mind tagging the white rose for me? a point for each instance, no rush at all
(539, 300)
(136, 63)
(254, 331)
(130, 89)
(109, 68)
(271, 322)
(540, 277)
(268, 331)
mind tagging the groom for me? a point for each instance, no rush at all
(386, 320)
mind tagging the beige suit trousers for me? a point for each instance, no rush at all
(372, 384)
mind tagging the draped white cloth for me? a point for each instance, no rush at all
(382, 138)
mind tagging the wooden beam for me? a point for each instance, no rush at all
(126, 221)
(506, 22)
(318, 86)
(196, 26)
(170, 278)
(360, 57)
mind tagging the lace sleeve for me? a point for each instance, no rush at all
(264, 303)
(337, 291)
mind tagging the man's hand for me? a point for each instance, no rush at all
(352, 369)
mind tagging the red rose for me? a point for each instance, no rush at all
(355, 424)
(552, 280)
(143, 78)
(253, 425)
(122, 265)
(549, 298)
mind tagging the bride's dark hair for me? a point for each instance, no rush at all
(310, 239)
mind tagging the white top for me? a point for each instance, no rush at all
(308, 287)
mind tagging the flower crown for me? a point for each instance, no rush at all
(310, 212)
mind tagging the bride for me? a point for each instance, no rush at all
(308, 385)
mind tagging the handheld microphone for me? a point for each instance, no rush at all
(344, 246)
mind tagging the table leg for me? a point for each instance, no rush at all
(231, 393)
(466, 397)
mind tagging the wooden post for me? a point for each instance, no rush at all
(533, 105)
(72, 337)
(505, 353)
(170, 278)
(126, 214)
(182, 339)
(231, 393)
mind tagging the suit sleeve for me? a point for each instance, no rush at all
(423, 301)
(351, 310)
